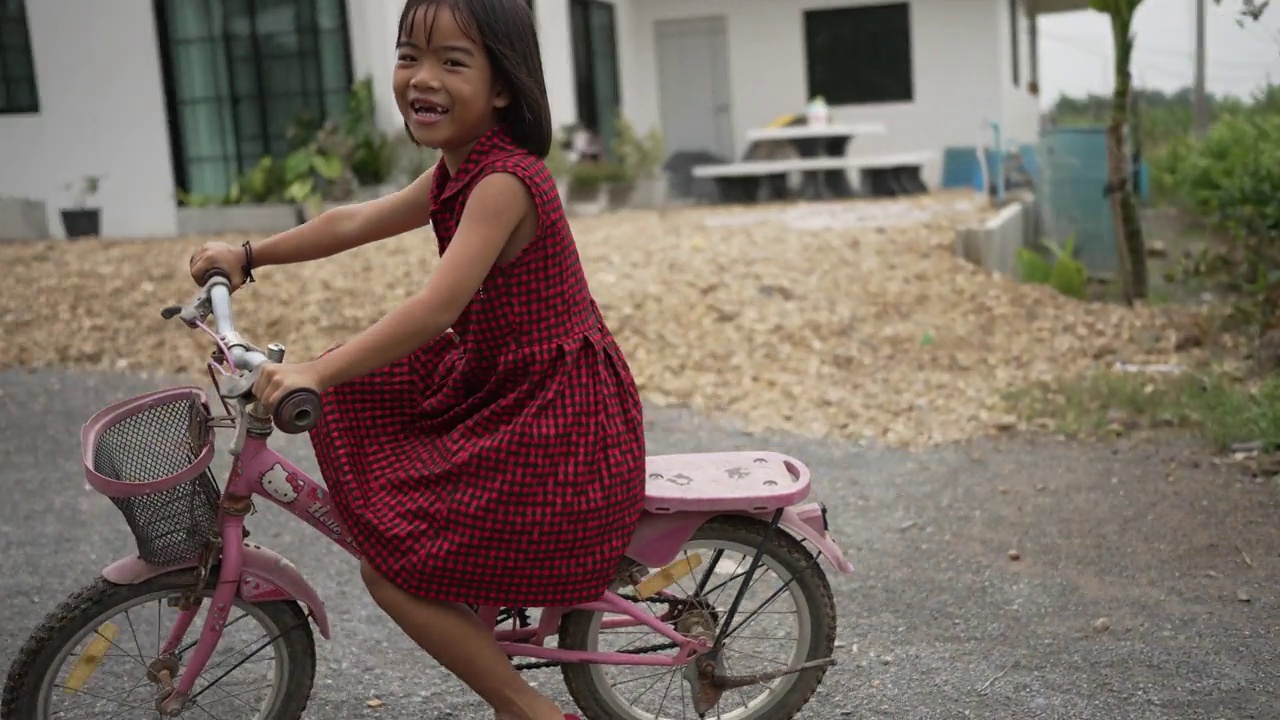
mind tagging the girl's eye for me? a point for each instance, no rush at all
(453, 63)
(404, 57)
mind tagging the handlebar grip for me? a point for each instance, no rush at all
(297, 412)
(217, 272)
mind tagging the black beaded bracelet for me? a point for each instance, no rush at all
(248, 261)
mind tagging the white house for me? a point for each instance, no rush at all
(160, 94)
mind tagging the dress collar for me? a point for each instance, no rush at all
(495, 141)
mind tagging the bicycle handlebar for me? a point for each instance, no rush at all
(299, 410)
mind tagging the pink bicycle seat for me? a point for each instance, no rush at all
(754, 481)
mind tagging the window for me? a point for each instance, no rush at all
(17, 69)
(595, 66)
(860, 54)
(238, 73)
(1033, 51)
(1013, 36)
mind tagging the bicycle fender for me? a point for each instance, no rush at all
(807, 522)
(658, 537)
(266, 576)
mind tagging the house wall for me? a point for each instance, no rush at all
(959, 78)
(371, 26)
(1021, 109)
(102, 111)
(554, 32)
(128, 139)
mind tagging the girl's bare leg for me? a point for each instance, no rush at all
(453, 635)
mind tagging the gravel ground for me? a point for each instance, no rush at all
(936, 622)
(847, 320)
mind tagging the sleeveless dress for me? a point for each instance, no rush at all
(503, 463)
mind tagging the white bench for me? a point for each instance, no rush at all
(891, 175)
(761, 168)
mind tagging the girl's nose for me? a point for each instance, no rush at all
(424, 79)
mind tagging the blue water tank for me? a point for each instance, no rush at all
(1073, 176)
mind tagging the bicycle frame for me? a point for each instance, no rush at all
(261, 471)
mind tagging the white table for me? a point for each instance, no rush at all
(815, 132)
(818, 141)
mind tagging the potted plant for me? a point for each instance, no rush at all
(589, 180)
(82, 220)
(642, 157)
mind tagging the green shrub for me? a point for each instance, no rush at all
(641, 156)
(1231, 180)
(1063, 273)
(590, 175)
(1033, 267)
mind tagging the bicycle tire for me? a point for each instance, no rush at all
(787, 552)
(20, 698)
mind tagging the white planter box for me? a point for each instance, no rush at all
(253, 219)
(23, 219)
(648, 193)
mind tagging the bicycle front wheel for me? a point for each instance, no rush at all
(94, 657)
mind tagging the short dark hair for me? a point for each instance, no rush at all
(509, 36)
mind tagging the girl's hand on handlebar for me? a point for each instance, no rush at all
(275, 380)
(218, 256)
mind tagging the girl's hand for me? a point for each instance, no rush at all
(275, 380)
(218, 256)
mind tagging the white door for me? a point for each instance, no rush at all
(693, 77)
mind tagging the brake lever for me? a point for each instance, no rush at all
(193, 312)
(235, 387)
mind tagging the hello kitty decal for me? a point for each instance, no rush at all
(282, 485)
(306, 499)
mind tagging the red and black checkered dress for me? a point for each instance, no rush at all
(503, 463)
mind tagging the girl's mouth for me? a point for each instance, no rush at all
(426, 112)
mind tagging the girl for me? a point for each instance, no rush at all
(500, 463)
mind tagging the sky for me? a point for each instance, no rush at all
(1076, 55)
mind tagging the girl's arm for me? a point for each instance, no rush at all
(350, 226)
(496, 207)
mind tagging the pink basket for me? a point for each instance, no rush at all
(151, 455)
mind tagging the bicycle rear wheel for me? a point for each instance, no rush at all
(51, 677)
(788, 574)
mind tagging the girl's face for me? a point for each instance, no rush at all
(443, 83)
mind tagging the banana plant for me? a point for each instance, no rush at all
(1130, 245)
(1250, 9)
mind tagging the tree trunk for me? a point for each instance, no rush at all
(1130, 246)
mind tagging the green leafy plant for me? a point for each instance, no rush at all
(1063, 272)
(640, 156)
(589, 176)
(1033, 267)
(371, 155)
(326, 160)
(84, 188)
(262, 184)
(1231, 180)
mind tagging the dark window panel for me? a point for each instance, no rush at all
(254, 67)
(859, 55)
(18, 92)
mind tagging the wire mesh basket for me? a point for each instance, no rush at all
(151, 455)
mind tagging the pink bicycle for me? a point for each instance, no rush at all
(151, 455)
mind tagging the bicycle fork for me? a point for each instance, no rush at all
(172, 698)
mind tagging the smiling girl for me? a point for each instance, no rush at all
(484, 440)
